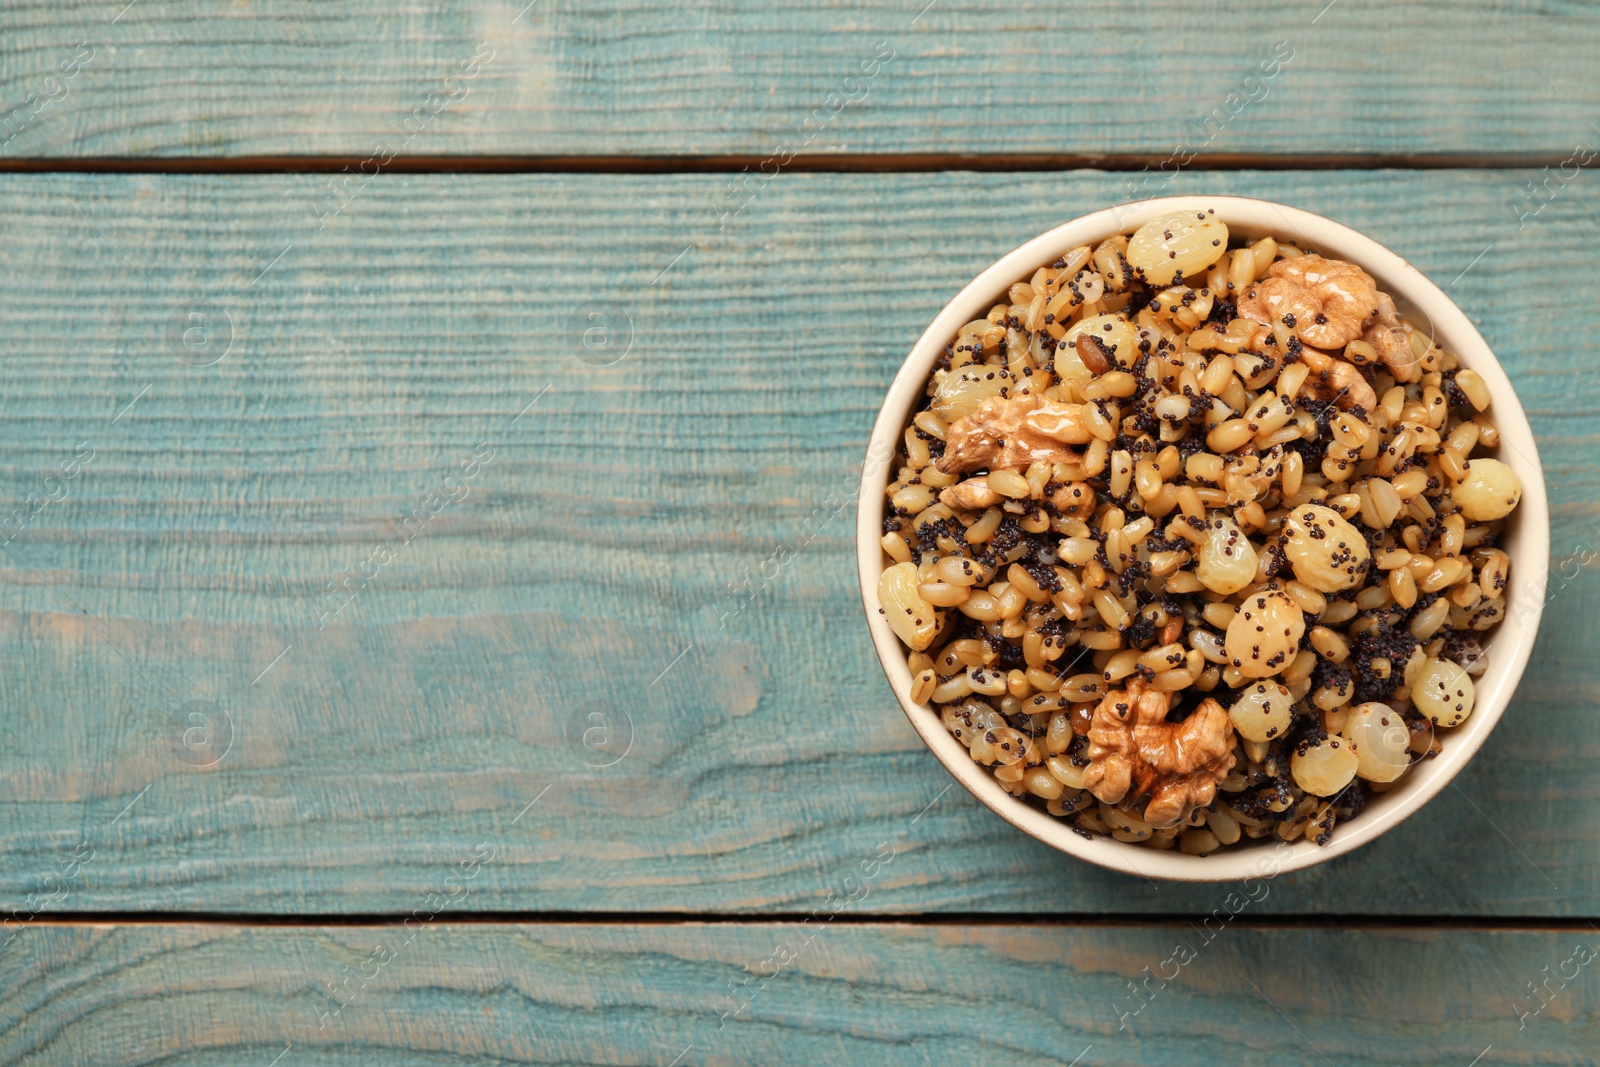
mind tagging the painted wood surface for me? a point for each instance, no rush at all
(691, 77)
(753, 993)
(620, 594)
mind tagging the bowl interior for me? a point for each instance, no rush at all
(1527, 540)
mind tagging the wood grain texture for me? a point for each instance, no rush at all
(302, 77)
(180, 703)
(755, 993)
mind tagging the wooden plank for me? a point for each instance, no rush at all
(176, 78)
(184, 700)
(446, 994)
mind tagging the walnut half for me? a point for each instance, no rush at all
(1014, 432)
(1134, 752)
(1327, 302)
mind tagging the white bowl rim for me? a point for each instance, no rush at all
(1511, 643)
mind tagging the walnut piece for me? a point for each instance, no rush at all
(1014, 432)
(1388, 337)
(1134, 752)
(1329, 300)
(973, 494)
(1074, 498)
(1333, 379)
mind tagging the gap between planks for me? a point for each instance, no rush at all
(1332, 921)
(848, 163)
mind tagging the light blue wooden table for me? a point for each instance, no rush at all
(393, 677)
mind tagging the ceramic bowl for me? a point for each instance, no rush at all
(1527, 539)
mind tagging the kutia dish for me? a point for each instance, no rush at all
(1194, 531)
